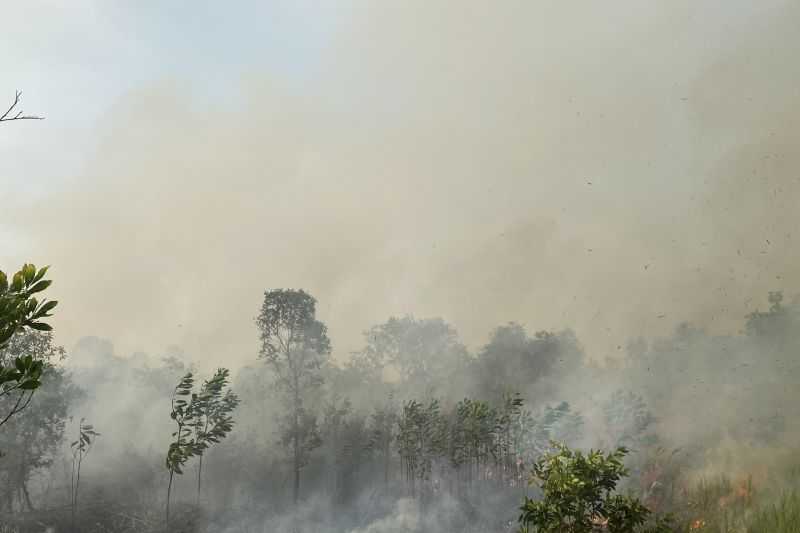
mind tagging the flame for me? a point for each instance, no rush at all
(697, 524)
(741, 494)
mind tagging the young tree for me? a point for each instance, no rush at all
(19, 309)
(381, 435)
(80, 449)
(183, 447)
(578, 496)
(421, 439)
(334, 419)
(213, 421)
(296, 346)
(504, 447)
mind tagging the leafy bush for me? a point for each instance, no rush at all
(578, 496)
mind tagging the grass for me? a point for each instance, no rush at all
(780, 517)
(721, 506)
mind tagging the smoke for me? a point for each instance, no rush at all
(594, 167)
(612, 170)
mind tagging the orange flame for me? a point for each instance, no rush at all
(697, 524)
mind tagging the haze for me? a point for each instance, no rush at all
(614, 168)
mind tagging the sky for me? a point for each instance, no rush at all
(612, 168)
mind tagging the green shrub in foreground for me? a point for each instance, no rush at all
(578, 496)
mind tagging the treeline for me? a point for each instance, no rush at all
(412, 414)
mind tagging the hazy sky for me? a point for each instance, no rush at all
(562, 164)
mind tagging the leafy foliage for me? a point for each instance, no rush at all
(183, 413)
(183, 447)
(200, 421)
(212, 415)
(420, 439)
(20, 309)
(578, 495)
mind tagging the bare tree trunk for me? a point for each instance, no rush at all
(386, 459)
(27, 496)
(296, 439)
(199, 478)
(297, 458)
(169, 492)
(78, 480)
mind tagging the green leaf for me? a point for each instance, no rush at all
(28, 272)
(46, 308)
(17, 282)
(40, 286)
(41, 273)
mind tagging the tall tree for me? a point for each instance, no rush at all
(425, 352)
(296, 346)
(514, 361)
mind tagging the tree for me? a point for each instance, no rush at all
(504, 449)
(31, 442)
(421, 438)
(425, 352)
(627, 418)
(514, 361)
(578, 495)
(381, 435)
(80, 449)
(334, 418)
(774, 323)
(212, 419)
(182, 448)
(19, 309)
(296, 346)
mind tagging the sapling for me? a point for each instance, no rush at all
(80, 449)
(212, 417)
(182, 448)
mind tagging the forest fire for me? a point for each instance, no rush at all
(429, 266)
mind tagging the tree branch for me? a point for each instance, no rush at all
(10, 115)
(16, 409)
